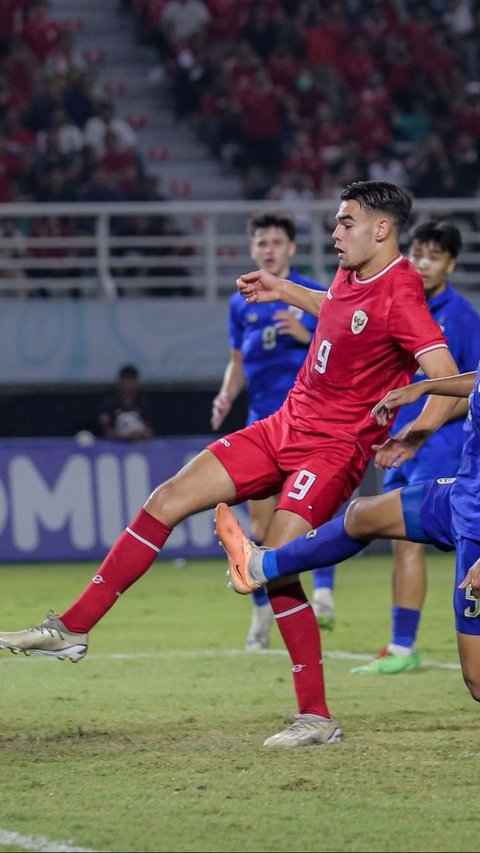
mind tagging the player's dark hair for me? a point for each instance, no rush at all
(444, 234)
(382, 196)
(128, 371)
(273, 219)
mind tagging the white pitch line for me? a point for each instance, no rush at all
(215, 653)
(38, 842)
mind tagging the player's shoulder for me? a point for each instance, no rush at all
(461, 302)
(305, 281)
(237, 302)
(404, 280)
(404, 269)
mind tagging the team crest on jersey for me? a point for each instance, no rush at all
(252, 317)
(359, 321)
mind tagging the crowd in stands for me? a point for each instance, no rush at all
(61, 139)
(296, 96)
(302, 96)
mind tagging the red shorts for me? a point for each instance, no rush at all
(314, 474)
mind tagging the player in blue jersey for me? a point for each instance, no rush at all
(268, 345)
(433, 250)
(444, 512)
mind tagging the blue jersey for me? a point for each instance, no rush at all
(465, 496)
(446, 512)
(440, 455)
(270, 361)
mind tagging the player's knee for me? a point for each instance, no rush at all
(473, 684)
(354, 519)
(162, 502)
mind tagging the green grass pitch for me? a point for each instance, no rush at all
(154, 741)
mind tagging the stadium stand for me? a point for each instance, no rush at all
(188, 101)
(133, 151)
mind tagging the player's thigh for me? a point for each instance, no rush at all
(200, 484)
(261, 513)
(376, 517)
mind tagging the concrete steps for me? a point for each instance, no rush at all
(124, 61)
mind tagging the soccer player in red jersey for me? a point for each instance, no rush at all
(374, 328)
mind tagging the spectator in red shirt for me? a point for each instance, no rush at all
(11, 21)
(20, 139)
(40, 32)
(357, 63)
(260, 126)
(119, 166)
(373, 130)
(11, 170)
(328, 134)
(302, 157)
(325, 35)
(20, 69)
(227, 19)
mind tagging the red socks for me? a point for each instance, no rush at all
(134, 552)
(299, 629)
(128, 559)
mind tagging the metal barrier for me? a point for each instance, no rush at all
(132, 249)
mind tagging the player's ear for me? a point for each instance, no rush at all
(292, 248)
(451, 265)
(383, 229)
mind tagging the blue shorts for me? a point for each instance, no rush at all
(428, 518)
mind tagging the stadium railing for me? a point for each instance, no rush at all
(202, 248)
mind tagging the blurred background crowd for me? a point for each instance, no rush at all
(303, 97)
(298, 97)
(293, 98)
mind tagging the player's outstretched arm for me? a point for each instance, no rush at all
(233, 383)
(394, 451)
(262, 286)
(446, 386)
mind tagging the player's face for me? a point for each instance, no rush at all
(355, 235)
(272, 251)
(433, 264)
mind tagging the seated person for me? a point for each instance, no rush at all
(126, 415)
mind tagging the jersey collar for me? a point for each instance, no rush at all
(378, 274)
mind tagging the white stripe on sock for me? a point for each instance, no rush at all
(141, 539)
(292, 611)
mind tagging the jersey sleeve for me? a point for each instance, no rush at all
(235, 328)
(409, 320)
(469, 352)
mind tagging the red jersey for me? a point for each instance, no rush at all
(368, 337)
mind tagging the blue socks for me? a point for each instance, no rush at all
(324, 546)
(405, 624)
(324, 578)
(260, 597)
